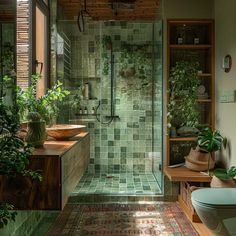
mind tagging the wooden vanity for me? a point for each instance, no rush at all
(61, 164)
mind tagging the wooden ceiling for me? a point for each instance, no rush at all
(7, 10)
(144, 10)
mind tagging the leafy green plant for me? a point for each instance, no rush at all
(225, 174)
(136, 57)
(210, 141)
(14, 154)
(6, 214)
(8, 62)
(106, 42)
(106, 47)
(182, 107)
(46, 105)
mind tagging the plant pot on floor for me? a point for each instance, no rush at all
(224, 178)
(218, 183)
(37, 133)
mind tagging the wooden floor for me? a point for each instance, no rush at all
(202, 229)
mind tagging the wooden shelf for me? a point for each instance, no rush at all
(190, 46)
(203, 53)
(204, 100)
(182, 139)
(198, 100)
(192, 217)
(180, 174)
(189, 22)
(204, 74)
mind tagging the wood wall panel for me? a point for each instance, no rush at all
(7, 10)
(74, 164)
(22, 43)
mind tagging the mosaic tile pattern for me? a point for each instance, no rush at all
(118, 184)
(133, 141)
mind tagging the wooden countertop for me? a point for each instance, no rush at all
(57, 148)
(182, 174)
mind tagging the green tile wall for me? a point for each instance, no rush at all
(123, 145)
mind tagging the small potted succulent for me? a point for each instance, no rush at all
(224, 177)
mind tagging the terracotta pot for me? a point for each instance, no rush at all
(218, 183)
(198, 161)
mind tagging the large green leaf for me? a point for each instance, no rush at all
(210, 141)
(225, 174)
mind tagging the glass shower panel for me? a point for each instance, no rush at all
(158, 102)
(127, 47)
(117, 67)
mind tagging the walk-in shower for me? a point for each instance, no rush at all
(121, 64)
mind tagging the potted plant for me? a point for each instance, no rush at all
(36, 134)
(224, 177)
(208, 142)
(182, 107)
(14, 156)
(46, 106)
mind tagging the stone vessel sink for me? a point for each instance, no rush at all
(64, 132)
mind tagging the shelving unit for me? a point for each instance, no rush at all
(178, 147)
(203, 53)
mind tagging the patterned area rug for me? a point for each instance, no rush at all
(161, 219)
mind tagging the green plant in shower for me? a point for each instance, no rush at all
(136, 58)
(106, 47)
(105, 60)
(182, 106)
(106, 42)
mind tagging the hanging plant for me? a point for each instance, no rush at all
(135, 61)
(183, 107)
(106, 47)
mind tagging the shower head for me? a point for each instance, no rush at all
(122, 4)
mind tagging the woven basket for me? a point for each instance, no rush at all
(198, 161)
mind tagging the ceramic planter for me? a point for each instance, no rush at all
(198, 161)
(218, 183)
(37, 133)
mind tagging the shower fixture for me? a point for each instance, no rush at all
(81, 17)
(112, 115)
(121, 5)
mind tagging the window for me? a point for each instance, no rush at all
(40, 44)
